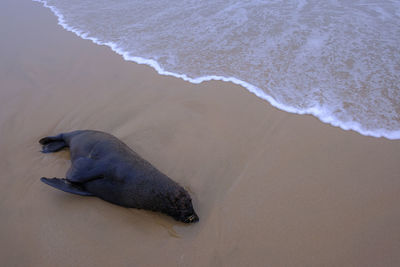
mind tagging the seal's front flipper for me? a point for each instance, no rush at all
(66, 186)
(84, 170)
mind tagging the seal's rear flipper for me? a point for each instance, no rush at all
(53, 146)
(53, 143)
(66, 186)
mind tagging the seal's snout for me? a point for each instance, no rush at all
(192, 218)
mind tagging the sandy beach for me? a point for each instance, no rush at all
(271, 188)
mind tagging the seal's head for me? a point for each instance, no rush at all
(181, 208)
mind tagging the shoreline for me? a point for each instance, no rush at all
(271, 188)
(314, 111)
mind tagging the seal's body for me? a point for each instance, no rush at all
(105, 167)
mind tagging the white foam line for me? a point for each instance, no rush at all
(315, 111)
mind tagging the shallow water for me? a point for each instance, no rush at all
(338, 60)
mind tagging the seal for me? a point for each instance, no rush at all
(105, 167)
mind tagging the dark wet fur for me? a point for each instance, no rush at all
(105, 167)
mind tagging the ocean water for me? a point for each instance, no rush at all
(338, 60)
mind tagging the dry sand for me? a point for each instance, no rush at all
(271, 188)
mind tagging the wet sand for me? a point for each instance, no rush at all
(271, 188)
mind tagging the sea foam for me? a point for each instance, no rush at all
(307, 91)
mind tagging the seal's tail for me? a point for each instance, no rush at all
(66, 186)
